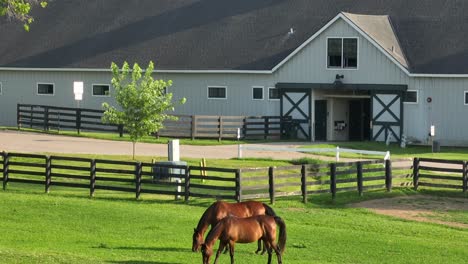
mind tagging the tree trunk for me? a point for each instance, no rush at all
(134, 143)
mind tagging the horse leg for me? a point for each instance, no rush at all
(278, 254)
(231, 251)
(220, 249)
(269, 255)
(259, 247)
(226, 249)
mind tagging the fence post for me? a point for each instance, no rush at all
(333, 179)
(120, 128)
(388, 175)
(220, 127)
(238, 186)
(92, 181)
(18, 119)
(304, 183)
(6, 164)
(46, 118)
(187, 183)
(31, 117)
(48, 171)
(78, 120)
(359, 177)
(415, 173)
(271, 182)
(138, 172)
(194, 126)
(267, 120)
(465, 176)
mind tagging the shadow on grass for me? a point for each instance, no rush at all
(143, 262)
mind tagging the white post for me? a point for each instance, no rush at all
(173, 152)
(178, 189)
(239, 151)
(337, 154)
(387, 155)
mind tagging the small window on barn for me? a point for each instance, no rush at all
(411, 97)
(273, 93)
(257, 93)
(101, 90)
(45, 88)
(342, 53)
(217, 92)
(466, 97)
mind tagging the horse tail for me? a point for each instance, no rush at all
(268, 210)
(282, 234)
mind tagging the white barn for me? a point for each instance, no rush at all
(346, 70)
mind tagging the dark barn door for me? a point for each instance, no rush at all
(359, 120)
(296, 104)
(387, 115)
(320, 127)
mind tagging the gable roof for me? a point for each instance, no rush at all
(242, 35)
(380, 29)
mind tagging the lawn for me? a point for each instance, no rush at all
(64, 227)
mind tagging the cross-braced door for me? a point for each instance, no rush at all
(387, 116)
(295, 103)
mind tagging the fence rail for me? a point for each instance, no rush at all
(180, 181)
(186, 126)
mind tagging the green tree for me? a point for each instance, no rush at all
(144, 102)
(20, 10)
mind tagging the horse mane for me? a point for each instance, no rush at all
(204, 222)
(214, 233)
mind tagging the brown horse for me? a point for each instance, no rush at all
(246, 230)
(220, 210)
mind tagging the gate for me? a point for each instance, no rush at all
(387, 115)
(296, 104)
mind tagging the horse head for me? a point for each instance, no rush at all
(207, 252)
(197, 240)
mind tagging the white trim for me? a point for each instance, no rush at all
(274, 99)
(216, 98)
(263, 93)
(417, 97)
(101, 84)
(342, 55)
(37, 89)
(464, 97)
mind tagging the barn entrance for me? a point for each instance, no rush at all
(345, 112)
(359, 119)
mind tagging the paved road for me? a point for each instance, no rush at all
(14, 141)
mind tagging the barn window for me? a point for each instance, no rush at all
(466, 97)
(411, 97)
(101, 90)
(273, 93)
(342, 53)
(45, 88)
(257, 93)
(216, 92)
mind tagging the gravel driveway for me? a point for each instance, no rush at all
(16, 141)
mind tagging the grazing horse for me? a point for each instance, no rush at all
(246, 230)
(219, 210)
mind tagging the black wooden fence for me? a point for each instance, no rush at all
(438, 173)
(95, 175)
(186, 126)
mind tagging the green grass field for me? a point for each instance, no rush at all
(65, 227)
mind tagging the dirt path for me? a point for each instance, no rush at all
(14, 141)
(421, 208)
